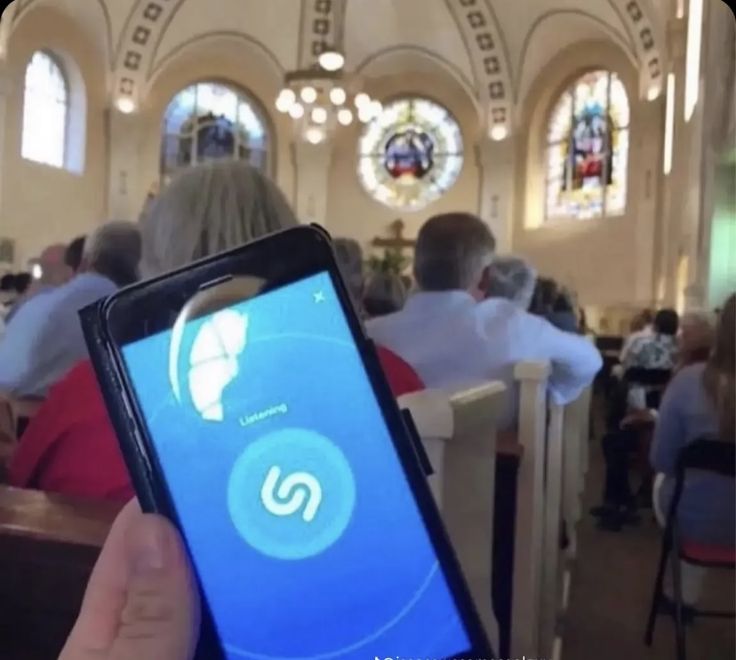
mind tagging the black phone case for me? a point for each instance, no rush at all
(153, 496)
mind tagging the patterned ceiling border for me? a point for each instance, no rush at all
(489, 57)
(143, 31)
(635, 15)
(322, 26)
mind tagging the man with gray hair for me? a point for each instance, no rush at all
(514, 279)
(44, 339)
(454, 337)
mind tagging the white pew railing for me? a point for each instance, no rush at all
(528, 543)
(458, 432)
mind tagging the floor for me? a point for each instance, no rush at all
(611, 590)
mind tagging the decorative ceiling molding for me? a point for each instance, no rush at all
(624, 40)
(143, 32)
(488, 55)
(22, 7)
(636, 16)
(322, 26)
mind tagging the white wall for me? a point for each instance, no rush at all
(40, 205)
(608, 261)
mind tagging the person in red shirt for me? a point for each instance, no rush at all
(70, 446)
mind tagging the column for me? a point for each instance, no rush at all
(6, 87)
(496, 188)
(312, 169)
(124, 136)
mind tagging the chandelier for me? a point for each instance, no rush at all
(323, 98)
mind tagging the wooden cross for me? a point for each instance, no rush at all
(397, 241)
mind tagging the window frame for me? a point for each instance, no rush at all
(243, 95)
(616, 129)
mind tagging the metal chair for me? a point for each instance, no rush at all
(705, 455)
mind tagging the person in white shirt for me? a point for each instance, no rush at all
(641, 326)
(454, 338)
(514, 279)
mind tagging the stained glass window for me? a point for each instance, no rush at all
(45, 111)
(211, 121)
(587, 149)
(411, 154)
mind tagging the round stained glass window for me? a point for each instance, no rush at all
(411, 154)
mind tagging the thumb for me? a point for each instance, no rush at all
(160, 618)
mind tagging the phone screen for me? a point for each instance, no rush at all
(299, 519)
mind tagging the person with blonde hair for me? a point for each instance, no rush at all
(70, 446)
(512, 278)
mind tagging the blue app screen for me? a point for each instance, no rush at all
(300, 522)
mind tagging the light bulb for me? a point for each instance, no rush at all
(308, 94)
(296, 111)
(126, 105)
(338, 95)
(331, 60)
(365, 113)
(345, 117)
(314, 135)
(361, 100)
(652, 92)
(36, 271)
(285, 100)
(319, 115)
(376, 108)
(499, 132)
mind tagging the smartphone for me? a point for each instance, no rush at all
(253, 412)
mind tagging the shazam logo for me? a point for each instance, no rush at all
(296, 490)
(291, 494)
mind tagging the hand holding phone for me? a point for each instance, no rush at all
(253, 412)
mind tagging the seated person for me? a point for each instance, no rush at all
(563, 313)
(625, 423)
(70, 446)
(641, 326)
(695, 340)
(454, 337)
(401, 377)
(385, 293)
(512, 278)
(44, 339)
(698, 403)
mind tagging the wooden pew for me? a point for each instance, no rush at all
(48, 546)
(459, 434)
(530, 514)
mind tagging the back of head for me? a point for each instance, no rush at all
(54, 270)
(7, 282)
(114, 250)
(697, 334)
(512, 278)
(719, 377)
(666, 322)
(207, 209)
(452, 252)
(74, 253)
(385, 293)
(22, 282)
(545, 294)
(349, 257)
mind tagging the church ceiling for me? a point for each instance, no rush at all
(494, 46)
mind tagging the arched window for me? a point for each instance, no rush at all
(211, 121)
(45, 111)
(587, 149)
(411, 154)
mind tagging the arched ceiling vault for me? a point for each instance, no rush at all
(486, 43)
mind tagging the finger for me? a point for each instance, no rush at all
(161, 614)
(104, 599)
